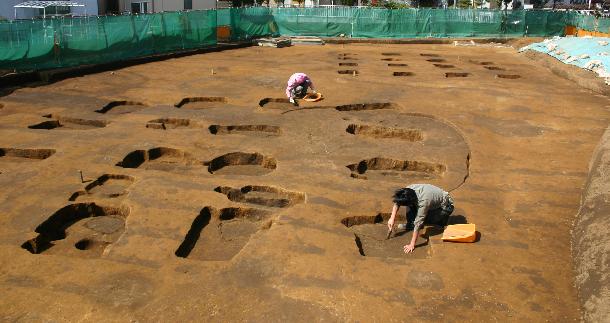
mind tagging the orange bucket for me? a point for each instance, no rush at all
(460, 233)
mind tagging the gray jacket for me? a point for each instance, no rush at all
(429, 197)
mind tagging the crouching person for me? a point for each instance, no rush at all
(425, 204)
(298, 84)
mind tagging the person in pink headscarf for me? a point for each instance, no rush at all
(297, 87)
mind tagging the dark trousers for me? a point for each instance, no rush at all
(438, 216)
(300, 91)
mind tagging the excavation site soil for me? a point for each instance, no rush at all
(207, 196)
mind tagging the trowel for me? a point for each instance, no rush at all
(389, 233)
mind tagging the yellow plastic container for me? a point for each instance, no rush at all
(460, 233)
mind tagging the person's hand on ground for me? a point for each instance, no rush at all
(293, 101)
(408, 248)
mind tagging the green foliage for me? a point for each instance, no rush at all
(427, 3)
(349, 2)
(394, 5)
(539, 3)
(241, 3)
(388, 4)
(464, 4)
(503, 3)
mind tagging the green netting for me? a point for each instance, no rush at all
(591, 23)
(247, 23)
(585, 22)
(603, 25)
(325, 22)
(426, 22)
(223, 17)
(52, 43)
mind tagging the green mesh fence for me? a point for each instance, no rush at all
(223, 17)
(590, 23)
(53, 43)
(603, 25)
(407, 23)
(247, 23)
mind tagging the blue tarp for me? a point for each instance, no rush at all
(592, 53)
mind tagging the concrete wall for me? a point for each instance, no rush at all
(591, 238)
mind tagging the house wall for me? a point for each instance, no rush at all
(8, 12)
(90, 7)
(169, 5)
(101, 7)
(125, 5)
(204, 4)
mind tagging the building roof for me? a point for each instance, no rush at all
(45, 4)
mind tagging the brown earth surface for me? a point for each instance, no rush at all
(214, 208)
(591, 238)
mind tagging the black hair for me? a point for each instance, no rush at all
(405, 197)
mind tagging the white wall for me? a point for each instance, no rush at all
(169, 5)
(204, 4)
(90, 7)
(7, 11)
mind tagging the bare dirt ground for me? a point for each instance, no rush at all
(202, 205)
(591, 238)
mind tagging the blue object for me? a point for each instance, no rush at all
(592, 53)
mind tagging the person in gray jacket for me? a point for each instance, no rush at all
(425, 203)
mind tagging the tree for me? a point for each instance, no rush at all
(427, 3)
(503, 4)
(241, 3)
(538, 4)
(464, 3)
(388, 4)
(394, 5)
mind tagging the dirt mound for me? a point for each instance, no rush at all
(591, 238)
